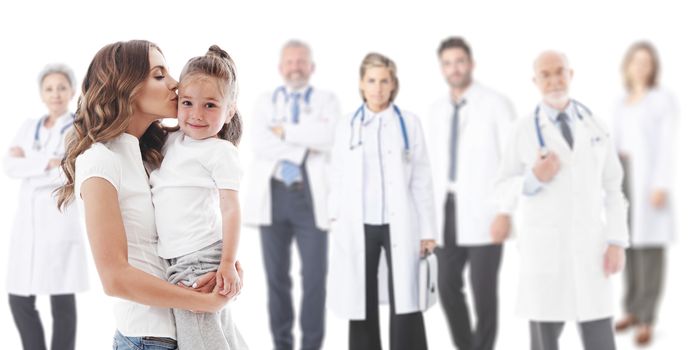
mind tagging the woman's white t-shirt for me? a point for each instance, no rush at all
(185, 192)
(119, 162)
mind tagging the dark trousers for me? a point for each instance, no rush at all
(596, 335)
(483, 274)
(645, 268)
(293, 218)
(407, 331)
(29, 325)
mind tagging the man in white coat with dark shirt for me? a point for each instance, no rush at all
(467, 130)
(292, 134)
(571, 228)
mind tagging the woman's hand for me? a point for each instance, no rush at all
(17, 152)
(427, 246)
(53, 163)
(213, 302)
(278, 131)
(203, 284)
(658, 199)
(207, 282)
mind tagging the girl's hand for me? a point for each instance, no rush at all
(228, 282)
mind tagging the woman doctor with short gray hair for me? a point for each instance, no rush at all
(47, 252)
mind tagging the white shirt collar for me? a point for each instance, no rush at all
(369, 115)
(467, 94)
(302, 91)
(553, 113)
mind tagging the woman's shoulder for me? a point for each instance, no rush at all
(97, 152)
(98, 157)
(661, 95)
(98, 161)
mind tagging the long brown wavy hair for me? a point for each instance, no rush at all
(106, 104)
(218, 64)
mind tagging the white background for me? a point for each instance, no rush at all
(505, 37)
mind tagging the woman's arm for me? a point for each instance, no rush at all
(18, 163)
(107, 237)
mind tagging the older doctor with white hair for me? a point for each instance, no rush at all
(47, 252)
(572, 227)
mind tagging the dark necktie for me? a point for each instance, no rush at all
(454, 140)
(565, 129)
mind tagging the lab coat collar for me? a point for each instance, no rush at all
(553, 113)
(369, 115)
(302, 91)
(62, 121)
(469, 93)
(64, 118)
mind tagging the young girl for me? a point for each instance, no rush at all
(195, 195)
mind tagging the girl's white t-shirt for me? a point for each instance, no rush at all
(185, 192)
(119, 162)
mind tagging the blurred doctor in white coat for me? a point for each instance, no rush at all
(47, 251)
(571, 226)
(644, 131)
(286, 196)
(381, 200)
(467, 130)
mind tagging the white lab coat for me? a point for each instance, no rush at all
(484, 125)
(645, 132)
(312, 134)
(564, 229)
(410, 200)
(47, 251)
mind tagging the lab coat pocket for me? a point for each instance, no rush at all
(598, 152)
(540, 250)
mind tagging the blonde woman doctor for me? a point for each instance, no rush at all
(47, 253)
(381, 199)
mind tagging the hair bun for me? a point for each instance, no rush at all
(216, 51)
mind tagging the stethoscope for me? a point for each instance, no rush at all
(306, 97)
(37, 144)
(361, 114)
(578, 107)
